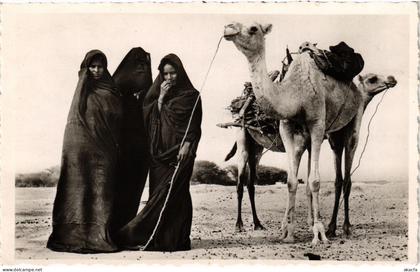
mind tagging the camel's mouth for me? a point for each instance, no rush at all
(306, 49)
(229, 37)
(386, 85)
(380, 89)
(230, 32)
(391, 83)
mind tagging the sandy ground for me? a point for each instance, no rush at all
(379, 214)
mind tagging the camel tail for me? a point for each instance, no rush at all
(231, 152)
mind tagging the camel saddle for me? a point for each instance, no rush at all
(341, 62)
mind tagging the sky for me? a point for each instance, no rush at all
(44, 51)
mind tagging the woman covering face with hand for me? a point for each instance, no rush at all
(167, 109)
(85, 190)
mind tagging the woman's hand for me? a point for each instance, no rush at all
(184, 152)
(164, 88)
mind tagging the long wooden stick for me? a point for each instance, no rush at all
(232, 124)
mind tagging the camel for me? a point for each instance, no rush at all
(305, 98)
(250, 146)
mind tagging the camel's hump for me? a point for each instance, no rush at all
(341, 98)
(304, 61)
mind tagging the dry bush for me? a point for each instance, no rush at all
(266, 175)
(45, 178)
(206, 172)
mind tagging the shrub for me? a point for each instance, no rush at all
(206, 172)
(232, 172)
(266, 175)
(270, 175)
(45, 178)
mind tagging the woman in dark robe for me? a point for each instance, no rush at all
(85, 191)
(133, 79)
(168, 107)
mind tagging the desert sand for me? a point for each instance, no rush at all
(379, 215)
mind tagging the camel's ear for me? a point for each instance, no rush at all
(360, 78)
(266, 28)
(315, 44)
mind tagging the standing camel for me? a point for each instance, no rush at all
(250, 145)
(305, 98)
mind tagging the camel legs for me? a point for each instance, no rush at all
(316, 131)
(310, 219)
(255, 152)
(347, 139)
(294, 153)
(336, 140)
(242, 161)
(249, 154)
(351, 145)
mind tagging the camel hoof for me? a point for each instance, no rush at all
(315, 242)
(347, 230)
(288, 230)
(283, 235)
(259, 227)
(319, 233)
(331, 234)
(289, 240)
(331, 231)
(239, 227)
(326, 241)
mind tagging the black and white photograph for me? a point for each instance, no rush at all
(209, 132)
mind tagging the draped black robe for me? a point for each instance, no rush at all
(85, 191)
(133, 78)
(166, 130)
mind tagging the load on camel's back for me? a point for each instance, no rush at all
(341, 62)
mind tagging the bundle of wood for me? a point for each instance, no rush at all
(253, 115)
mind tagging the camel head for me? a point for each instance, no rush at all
(249, 39)
(308, 46)
(373, 84)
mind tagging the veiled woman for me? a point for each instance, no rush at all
(85, 190)
(168, 107)
(133, 77)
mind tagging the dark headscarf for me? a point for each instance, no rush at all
(182, 82)
(170, 124)
(134, 72)
(87, 83)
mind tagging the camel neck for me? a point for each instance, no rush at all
(265, 90)
(365, 97)
(261, 83)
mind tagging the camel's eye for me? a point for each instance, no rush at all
(373, 79)
(253, 30)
